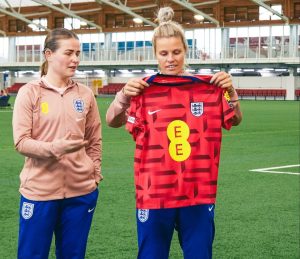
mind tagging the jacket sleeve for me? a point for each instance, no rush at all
(25, 105)
(116, 114)
(93, 134)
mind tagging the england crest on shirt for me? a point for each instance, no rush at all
(197, 109)
(79, 105)
(27, 210)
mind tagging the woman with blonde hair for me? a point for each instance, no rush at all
(176, 119)
(57, 127)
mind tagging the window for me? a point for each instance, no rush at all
(265, 14)
(4, 48)
(71, 23)
(41, 21)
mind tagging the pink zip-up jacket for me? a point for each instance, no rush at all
(116, 113)
(41, 117)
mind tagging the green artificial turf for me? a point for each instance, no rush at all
(256, 216)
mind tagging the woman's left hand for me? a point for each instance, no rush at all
(222, 79)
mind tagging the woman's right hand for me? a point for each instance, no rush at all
(68, 144)
(134, 87)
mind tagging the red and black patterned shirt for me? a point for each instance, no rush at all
(177, 125)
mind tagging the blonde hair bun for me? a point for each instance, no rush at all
(165, 14)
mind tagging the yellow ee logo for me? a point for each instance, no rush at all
(44, 107)
(179, 148)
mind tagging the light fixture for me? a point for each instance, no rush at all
(99, 71)
(137, 20)
(205, 71)
(149, 71)
(124, 71)
(198, 17)
(190, 70)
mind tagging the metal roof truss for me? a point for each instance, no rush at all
(120, 6)
(192, 8)
(283, 17)
(67, 12)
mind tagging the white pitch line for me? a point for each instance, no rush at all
(274, 172)
(268, 170)
(277, 167)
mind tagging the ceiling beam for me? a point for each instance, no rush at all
(67, 12)
(127, 10)
(22, 18)
(283, 17)
(36, 14)
(143, 7)
(191, 7)
(207, 3)
(88, 10)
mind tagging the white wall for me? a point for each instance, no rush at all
(23, 79)
(115, 80)
(125, 78)
(260, 82)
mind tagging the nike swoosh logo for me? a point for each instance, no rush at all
(152, 112)
(211, 208)
(90, 210)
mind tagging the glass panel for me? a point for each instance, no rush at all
(3, 49)
(218, 46)
(253, 42)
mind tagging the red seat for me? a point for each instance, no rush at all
(111, 88)
(265, 93)
(297, 94)
(15, 88)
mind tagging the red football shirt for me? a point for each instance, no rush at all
(177, 125)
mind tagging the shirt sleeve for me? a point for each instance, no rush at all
(134, 123)
(227, 114)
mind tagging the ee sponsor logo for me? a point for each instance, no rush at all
(178, 133)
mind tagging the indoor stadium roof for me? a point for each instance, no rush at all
(138, 15)
(19, 3)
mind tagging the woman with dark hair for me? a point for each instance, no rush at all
(57, 127)
(176, 119)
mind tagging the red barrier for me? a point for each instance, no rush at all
(14, 88)
(111, 88)
(261, 93)
(297, 94)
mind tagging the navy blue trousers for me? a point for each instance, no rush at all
(194, 224)
(69, 219)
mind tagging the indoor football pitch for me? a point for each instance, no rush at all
(257, 210)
